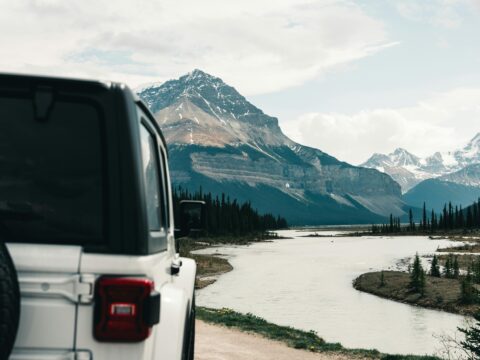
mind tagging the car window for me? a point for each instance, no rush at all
(153, 194)
(51, 183)
(163, 163)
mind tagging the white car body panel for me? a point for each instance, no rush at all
(54, 326)
(47, 317)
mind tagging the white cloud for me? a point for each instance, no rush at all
(260, 46)
(443, 122)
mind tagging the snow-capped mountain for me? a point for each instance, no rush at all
(211, 112)
(220, 141)
(469, 155)
(469, 175)
(409, 170)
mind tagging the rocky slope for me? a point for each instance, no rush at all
(220, 141)
(459, 166)
(436, 193)
(469, 176)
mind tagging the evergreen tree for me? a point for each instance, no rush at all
(476, 270)
(447, 271)
(410, 219)
(469, 222)
(450, 216)
(469, 294)
(445, 217)
(417, 276)
(424, 217)
(435, 268)
(433, 222)
(475, 221)
(472, 338)
(455, 267)
(382, 279)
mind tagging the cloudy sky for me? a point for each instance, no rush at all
(348, 77)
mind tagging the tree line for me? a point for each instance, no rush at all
(450, 218)
(451, 270)
(226, 216)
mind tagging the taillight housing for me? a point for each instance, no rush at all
(126, 308)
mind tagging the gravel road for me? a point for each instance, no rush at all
(221, 343)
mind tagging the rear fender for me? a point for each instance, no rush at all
(170, 331)
(186, 277)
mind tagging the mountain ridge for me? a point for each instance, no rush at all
(409, 170)
(220, 140)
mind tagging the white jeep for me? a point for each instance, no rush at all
(86, 214)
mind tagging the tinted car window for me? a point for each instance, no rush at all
(51, 182)
(152, 178)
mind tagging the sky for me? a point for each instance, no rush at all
(348, 77)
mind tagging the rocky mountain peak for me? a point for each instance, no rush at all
(401, 157)
(471, 151)
(202, 109)
(408, 169)
(475, 140)
(210, 94)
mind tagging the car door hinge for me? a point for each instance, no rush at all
(87, 282)
(76, 288)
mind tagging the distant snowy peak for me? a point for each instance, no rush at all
(402, 157)
(408, 170)
(399, 157)
(469, 176)
(470, 154)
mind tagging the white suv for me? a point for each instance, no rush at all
(86, 213)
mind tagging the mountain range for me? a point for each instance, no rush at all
(221, 142)
(460, 166)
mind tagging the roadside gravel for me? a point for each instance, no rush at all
(220, 343)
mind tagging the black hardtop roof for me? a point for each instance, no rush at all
(32, 81)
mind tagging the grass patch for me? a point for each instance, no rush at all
(464, 260)
(299, 339)
(440, 293)
(208, 266)
(466, 248)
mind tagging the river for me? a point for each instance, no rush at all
(306, 282)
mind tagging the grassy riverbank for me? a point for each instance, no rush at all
(454, 234)
(294, 338)
(440, 293)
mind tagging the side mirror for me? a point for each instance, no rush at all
(192, 218)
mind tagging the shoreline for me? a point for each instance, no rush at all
(249, 323)
(440, 294)
(307, 341)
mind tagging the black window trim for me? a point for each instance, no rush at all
(157, 236)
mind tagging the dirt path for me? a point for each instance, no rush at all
(220, 343)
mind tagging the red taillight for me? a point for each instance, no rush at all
(125, 309)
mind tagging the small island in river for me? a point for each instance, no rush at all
(440, 293)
